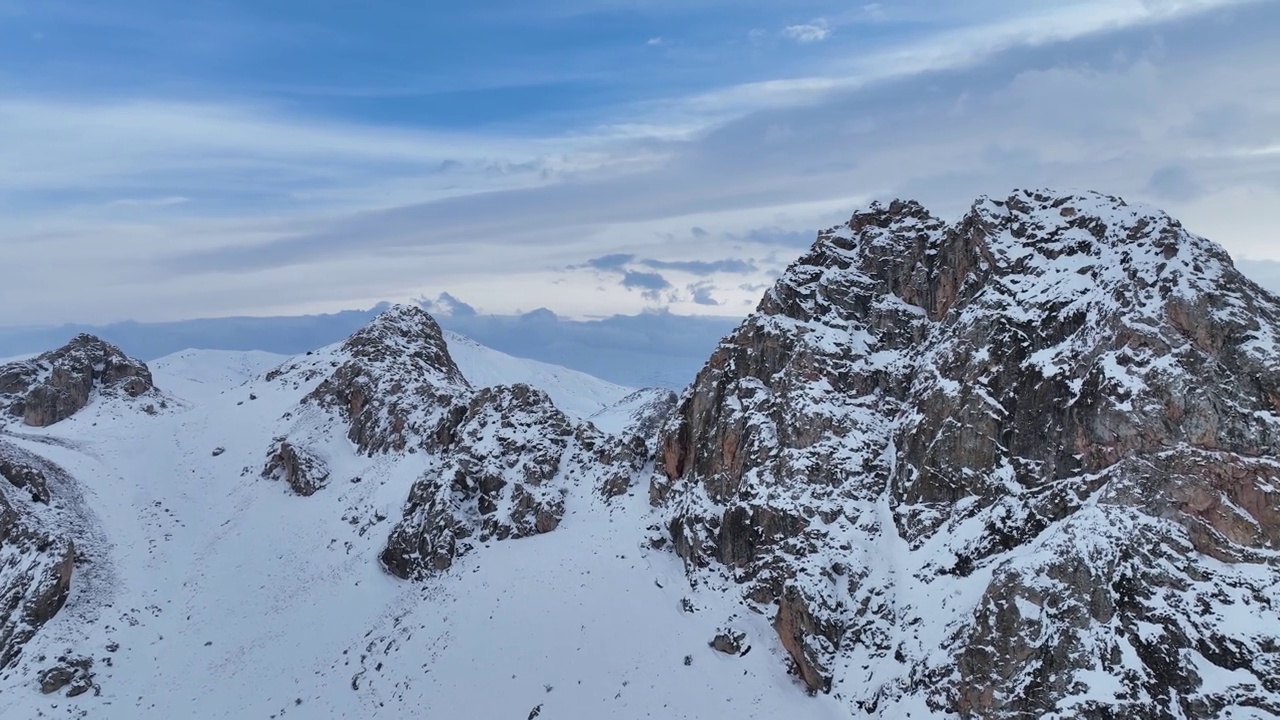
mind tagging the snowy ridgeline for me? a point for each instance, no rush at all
(200, 575)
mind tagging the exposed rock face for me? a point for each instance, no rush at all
(620, 458)
(26, 477)
(501, 459)
(502, 478)
(396, 385)
(36, 559)
(54, 386)
(392, 385)
(637, 420)
(1016, 466)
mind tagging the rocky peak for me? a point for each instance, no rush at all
(501, 459)
(405, 339)
(54, 386)
(392, 382)
(396, 383)
(903, 449)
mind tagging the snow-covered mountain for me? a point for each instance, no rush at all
(1023, 465)
(202, 587)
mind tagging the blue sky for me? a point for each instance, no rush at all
(172, 160)
(503, 66)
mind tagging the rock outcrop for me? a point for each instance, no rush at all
(74, 673)
(26, 477)
(392, 383)
(501, 459)
(1023, 465)
(495, 481)
(37, 558)
(54, 386)
(506, 475)
(392, 387)
(302, 471)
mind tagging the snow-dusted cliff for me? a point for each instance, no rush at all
(1022, 465)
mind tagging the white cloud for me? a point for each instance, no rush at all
(810, 32)
(283, 213)
(150, 202)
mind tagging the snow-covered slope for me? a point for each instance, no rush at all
(578, 394)
(196, 373)
(632, 412)
(230, 597)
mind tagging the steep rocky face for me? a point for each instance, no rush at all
(506, 475)
(501, 459)
(36, 558)
(391, 386)
(1015, 466)
(54, 386)
(392, 382)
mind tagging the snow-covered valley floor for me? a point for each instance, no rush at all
(210, 592)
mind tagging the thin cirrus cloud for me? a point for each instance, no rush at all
(619, 261)
(703, 267)
(810, 32)
(132, 200)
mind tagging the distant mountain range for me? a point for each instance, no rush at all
(649, 349)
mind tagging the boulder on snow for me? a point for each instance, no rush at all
(728, 642)
(73, 673)
(302, 470)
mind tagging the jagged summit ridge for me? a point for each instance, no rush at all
(903, 450)
(498, 461)
(1035, 248)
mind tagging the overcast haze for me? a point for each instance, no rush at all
(164, 160)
